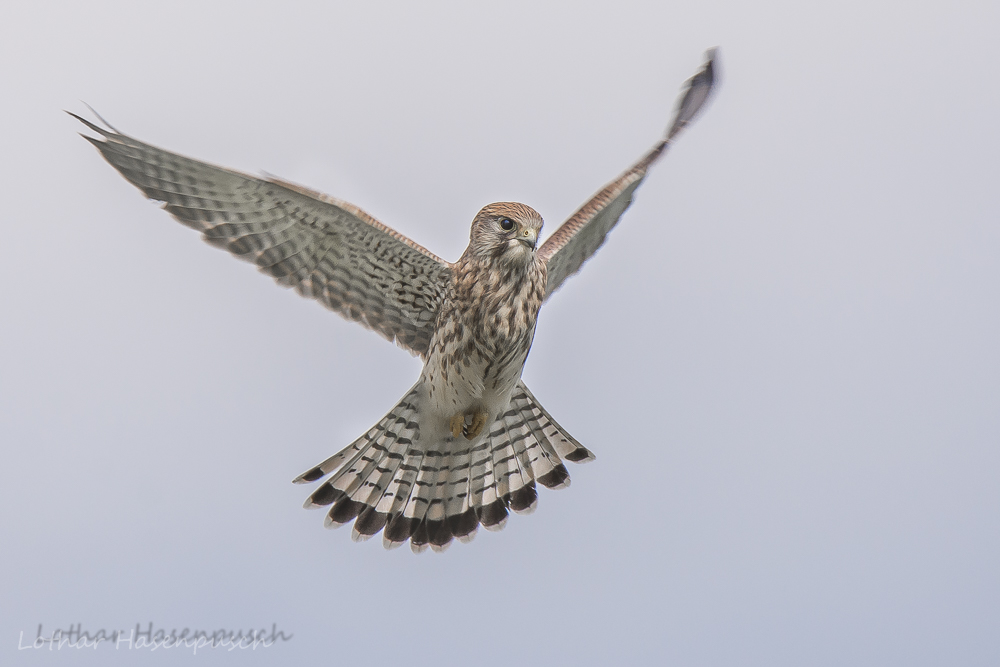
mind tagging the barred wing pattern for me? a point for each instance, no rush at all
(579, 237)
(428, 492)
(326, 249)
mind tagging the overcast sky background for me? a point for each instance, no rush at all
(785, 358)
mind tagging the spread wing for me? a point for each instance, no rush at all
(326, 249)
(579, 237)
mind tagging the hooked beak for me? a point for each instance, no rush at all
(528, 237)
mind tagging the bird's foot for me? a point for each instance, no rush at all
(457, 424)
(478, 422)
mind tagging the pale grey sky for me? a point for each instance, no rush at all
(785, 358)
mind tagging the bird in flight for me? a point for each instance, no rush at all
(468, 441)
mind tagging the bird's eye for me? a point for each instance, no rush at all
(506, 224)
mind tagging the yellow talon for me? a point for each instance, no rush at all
(457, 424)
(478, 422)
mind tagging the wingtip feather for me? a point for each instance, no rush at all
(92, 126)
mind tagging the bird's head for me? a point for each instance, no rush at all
(505, 231)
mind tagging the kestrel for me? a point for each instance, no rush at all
(468, 441)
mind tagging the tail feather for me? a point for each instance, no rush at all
(334, 462)
(436, 519)
(523, 495)
(404, 413)
(355, 484)
(562, 442)
(370, 521)
(419, 501)
(485, 501)
(432, 525)
(546, 467)
(433, 490)
(351, 481)
(392, 479)
(399, 528)
(363, 464)
(504, 461)
(460, 516)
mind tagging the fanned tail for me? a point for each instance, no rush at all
(430, 490)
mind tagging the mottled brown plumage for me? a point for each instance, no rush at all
(487, 318)
(468, 441)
